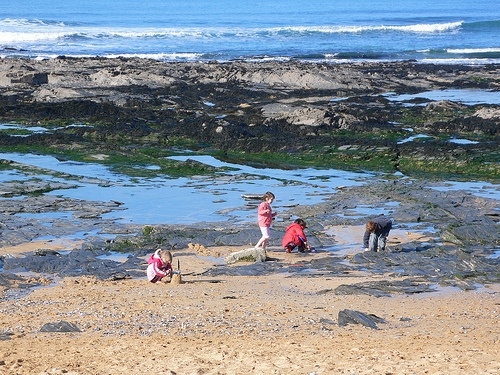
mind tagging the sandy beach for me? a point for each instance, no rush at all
(276, 324)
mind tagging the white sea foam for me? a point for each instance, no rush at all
(416, 28)
(473, 50)
(12, 31)
(459, 61)
(20, 37)
(158, 56)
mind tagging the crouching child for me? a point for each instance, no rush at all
(376, 233)
(159, 265)
(295, 237)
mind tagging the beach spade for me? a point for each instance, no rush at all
(176, 276)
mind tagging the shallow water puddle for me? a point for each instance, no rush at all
(363, 210)
(189, 200)
(495, 255)
(349, 239)
(116, 256)
(75, 237)
(477, 188)
(465, 96)
(202, 199)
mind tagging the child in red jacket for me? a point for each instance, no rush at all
(159, 265)
(295, 237)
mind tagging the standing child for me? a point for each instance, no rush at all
(159, 265)
(295, 237)
(265, 216)
(376, 233)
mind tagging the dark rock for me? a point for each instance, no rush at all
(471, 234)
(384, 288)
(78, 263)
(31, 79)
(5, 336)
(346, 317)
(61, 326)
(45, 252)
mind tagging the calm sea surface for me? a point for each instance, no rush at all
(325, 30)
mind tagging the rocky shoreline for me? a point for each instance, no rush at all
(296, 107)
(246, 106)
(322, 114)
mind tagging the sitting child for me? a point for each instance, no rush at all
(159, 265)
(295, 237)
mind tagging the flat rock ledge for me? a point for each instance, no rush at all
(258, 255)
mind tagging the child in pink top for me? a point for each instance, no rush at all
(159, 265)
(265, 217)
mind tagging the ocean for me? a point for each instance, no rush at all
(453, 31)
